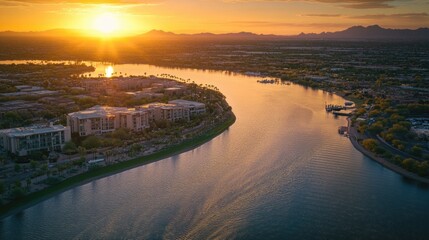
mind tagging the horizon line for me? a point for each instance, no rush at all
(87, 32)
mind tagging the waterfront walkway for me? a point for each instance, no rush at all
(354, 135)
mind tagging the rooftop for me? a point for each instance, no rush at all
(28, 131)
(187, 103)
(159, 105)
(101, 111)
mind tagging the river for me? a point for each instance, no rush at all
(281, 171)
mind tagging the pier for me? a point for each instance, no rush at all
(333, 107)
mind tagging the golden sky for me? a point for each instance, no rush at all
(218, 16)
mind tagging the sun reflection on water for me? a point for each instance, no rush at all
(109, 71)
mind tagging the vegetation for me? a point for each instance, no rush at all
(59, 186)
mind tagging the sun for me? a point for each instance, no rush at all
(106, 23)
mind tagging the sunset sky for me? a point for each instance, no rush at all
(218, 16)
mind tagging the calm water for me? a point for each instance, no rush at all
(281, 171)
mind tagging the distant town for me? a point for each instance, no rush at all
(58, 122)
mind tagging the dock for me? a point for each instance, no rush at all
(342, 113)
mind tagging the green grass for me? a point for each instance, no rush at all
(68, 183)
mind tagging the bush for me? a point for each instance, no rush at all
(379, 150)
(397, 159)
(18, 193)
(52, 180)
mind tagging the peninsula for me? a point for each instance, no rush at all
(61, 130)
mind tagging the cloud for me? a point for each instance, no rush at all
(287, 24)
(367, 5)
(322, 15)
(24, 2)
(11, 3)
(396, 20)
(411, 16)
(357, 4)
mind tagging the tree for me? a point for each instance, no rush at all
(379, 82)
(397, 159)
(28, 181)
(395, 118)
(423, 168)
(388, 137)
(70, 147)
(33, 164)
(17, 167)
(17, 192)
(398, 130)
(374, 113)
(360, 111)
(409, 164)
(417, 151)
(91, 142)
(398, 144)
(370, 144)
(362, 128)
(82, 151)
(135, 148)
(121, 133)
(44, 167)
(2, 187)
(376, 127)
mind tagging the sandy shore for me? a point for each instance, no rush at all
(37, 197)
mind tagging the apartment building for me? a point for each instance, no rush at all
(23, 141)
(101, 119)
(166, 111)
(195, 108)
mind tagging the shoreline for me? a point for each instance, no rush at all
(79, 180)
(385, 163)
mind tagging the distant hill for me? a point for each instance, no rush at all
(47, 33)
(373, 32)
(161, 35)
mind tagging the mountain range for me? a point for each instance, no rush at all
(373, 32)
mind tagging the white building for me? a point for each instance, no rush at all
(195, 108)
(100, 119)
(23, 141)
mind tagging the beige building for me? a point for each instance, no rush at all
(166, 111)
(195, 108)
(23, 141)
(101, 119)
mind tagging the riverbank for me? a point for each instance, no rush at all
(37, 197)
(403, 172)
